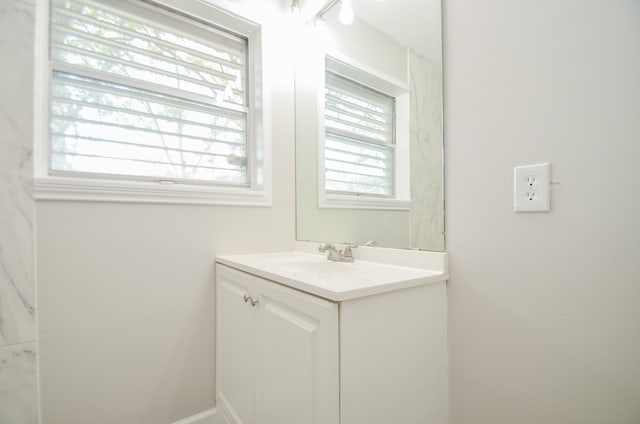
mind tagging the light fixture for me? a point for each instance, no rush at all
(345, 16)
(295, 7)
(320, 23)
(346, 12)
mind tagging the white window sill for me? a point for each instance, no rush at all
(336, 201)
(61, 188)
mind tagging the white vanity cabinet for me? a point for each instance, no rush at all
(285, 356)
(276, 352)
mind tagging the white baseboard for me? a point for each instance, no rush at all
(207, 417)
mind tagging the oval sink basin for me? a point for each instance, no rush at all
(325, 267)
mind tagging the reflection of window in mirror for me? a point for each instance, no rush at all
(363, 156)
(359, 138)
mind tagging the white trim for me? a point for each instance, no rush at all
(365, 74)
(97, 190)
(209, 416)
(344, 201)
(402, 166)
(227, 415)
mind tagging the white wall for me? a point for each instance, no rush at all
(544, 308)
(126, 291)
(126, 303)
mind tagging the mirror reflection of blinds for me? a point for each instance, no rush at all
(359, 138)
(146, 93)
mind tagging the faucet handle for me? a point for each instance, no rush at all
(347, 250)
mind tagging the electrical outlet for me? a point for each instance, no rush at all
(531, 185)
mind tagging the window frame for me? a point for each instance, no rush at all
(53, 185)
(401, 198)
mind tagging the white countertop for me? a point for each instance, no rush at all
(336, 281)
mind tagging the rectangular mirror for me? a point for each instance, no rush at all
(369, 141)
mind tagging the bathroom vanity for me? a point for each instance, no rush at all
(303, 340)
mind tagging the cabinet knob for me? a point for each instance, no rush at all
(254, 302)
(246, 298)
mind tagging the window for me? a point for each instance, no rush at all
(359, 138)
(147, 94)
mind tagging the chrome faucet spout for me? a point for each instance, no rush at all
(326, 246)
(336, 254)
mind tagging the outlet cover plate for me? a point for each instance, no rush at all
(531, 186)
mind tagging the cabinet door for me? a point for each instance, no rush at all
(297, 376)
(235, 346)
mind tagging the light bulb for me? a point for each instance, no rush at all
(346, 12)
(295, 8)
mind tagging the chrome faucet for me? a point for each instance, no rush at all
(338, 255)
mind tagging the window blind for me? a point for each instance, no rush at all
(144, 92)
(359, 138)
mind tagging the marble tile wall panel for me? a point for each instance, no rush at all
(17, 297)
(16, 85)
(17, 207)
(18, 376)
(18, 389)
(427, 211)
